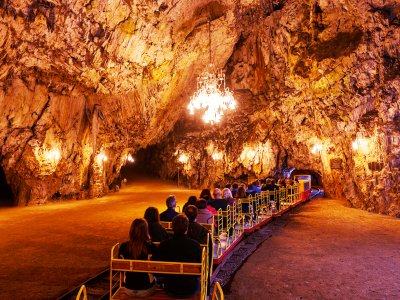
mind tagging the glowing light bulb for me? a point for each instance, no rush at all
(183, 158)
(130, 158)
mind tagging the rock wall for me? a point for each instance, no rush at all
(311, 73)
(82, 80)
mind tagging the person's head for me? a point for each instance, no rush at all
(151, 214)
(192, 200)
(241, 193)
(201, 203)
(228, 186)
(191, 212)
(180, 224)
(235, 185)
(226, 193)
(250, 186)
(205, 194)
(217, 193)
(138, 235)
(171, 201)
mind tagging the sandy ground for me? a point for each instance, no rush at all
(324, 250)
(46, 250)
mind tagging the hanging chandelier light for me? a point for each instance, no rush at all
(212, 96)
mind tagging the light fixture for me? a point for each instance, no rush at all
(101, 157)
(212, 96)
(360, 143)
(183, 158)
(217, 156)
(130, 158)
(317, 148)
(53, 155)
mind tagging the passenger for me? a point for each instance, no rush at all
(138, 247)
(198, 232)
(204, 215)
(191, 201)
(250, 191)
(227, 195)
(235, 187)
(195, 230)
(218, 202)
(206, 194)
(257, 186)
(170, 212)
(156, 231)
(180, 248)
(241, 193)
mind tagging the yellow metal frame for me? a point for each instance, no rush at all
(218, 293)
(82, 292)
(148, 266)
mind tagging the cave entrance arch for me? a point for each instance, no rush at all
(6, 194)
(316, 178)
(145, 164)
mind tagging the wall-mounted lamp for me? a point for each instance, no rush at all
(183, 158)
(217, 156)
(359, 144)
(101, 157)
(317, 148)
(130, 158)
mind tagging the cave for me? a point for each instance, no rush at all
(198, 94)
(6, 194)
(306, 85)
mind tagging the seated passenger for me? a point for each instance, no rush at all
(235, 187)
(138, 247)
(180, 248)
(204, 215)
(195, 230)
(156, 231)
(191, 201)
(218, 202)
(250, 191)
(170, 212)
(227, 195)
(206, 195)
(257, 186)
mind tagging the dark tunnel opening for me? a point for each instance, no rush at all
(6, 194)
(316, 178)
(144, 165)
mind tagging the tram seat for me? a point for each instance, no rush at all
(119, 266)
(168, 226)
(82, 293)
(218, 293)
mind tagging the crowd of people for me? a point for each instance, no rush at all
(188, 235)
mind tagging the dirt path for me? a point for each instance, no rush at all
(324, 250)
(46, 250)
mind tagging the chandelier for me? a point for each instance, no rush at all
(212, 96)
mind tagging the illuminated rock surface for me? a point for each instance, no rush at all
(81, 79)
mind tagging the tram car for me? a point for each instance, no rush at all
(304, 181)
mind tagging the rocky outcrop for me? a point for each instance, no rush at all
(85, 80)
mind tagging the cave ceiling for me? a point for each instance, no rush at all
(91, 77)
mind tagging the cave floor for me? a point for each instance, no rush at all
(46, 250)
(323, 250)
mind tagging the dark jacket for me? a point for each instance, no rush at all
(136, 280)
(197, 232)
(168, 215)
(180, 249)
(157, 232)
(219, 203)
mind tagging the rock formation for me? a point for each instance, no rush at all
(83, 81)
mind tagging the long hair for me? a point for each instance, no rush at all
(138, 235)
(151, 214)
